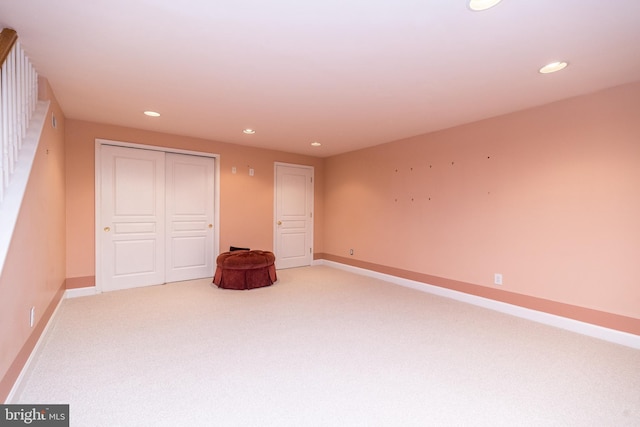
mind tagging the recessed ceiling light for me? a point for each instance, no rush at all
(479, 5)
(553, 67)
(316, 144)
(152, 114)
(249, 131)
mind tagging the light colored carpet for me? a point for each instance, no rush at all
(322, 347)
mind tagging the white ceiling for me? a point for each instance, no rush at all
(346, 73)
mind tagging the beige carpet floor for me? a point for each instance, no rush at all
(321, 347)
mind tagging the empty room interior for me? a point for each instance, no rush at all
(451, 191)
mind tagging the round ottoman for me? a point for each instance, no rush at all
(245, 269)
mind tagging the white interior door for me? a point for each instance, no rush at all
(133, 217)
(294, 216)
(189, 215)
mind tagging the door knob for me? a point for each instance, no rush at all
(210, 225)
(107, 229)
(279, 222)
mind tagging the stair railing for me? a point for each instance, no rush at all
(18, 97)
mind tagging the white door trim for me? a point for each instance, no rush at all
(275, 202)
(98, 195)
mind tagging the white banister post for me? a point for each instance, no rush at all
(19, 97)
(18, 100)
(29, 88)
(11, 108)
(15, 108)
(24, 100)
(2, 180)
(4, 82)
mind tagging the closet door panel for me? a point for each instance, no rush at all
(190, 213)
(133, 217)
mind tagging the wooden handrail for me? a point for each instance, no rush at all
(8, 38)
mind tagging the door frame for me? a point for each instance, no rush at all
(98, 195)
(275, 203)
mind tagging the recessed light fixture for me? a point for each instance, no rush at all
(316, 144)
(152, 114)
(249, 131)
(479, 5)
(553, 67)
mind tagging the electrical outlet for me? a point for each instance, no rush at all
(350, 251)
(497, 279)
(32, 316)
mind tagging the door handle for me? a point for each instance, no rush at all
(279, 222)
(107, 229)
(210, 225)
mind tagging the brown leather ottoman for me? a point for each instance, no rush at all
(245, 269)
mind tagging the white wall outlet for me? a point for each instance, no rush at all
(497, 279)
(350, 251)
(233, 169)
(251, 172)
(32, 316)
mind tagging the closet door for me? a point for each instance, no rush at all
(294, 219)
(133, 217)
(189, 217)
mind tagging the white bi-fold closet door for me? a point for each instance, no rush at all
(157, 216)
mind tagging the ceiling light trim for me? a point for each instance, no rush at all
(480, 5)
(553, 67)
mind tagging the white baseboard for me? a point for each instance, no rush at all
(17, 386)
(595, 331)
(80, 292)
(69, 293)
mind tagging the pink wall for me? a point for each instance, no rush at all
(549, 197)
(34, 274)
(246, 203)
